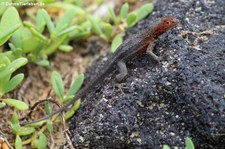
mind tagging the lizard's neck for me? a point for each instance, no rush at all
(159, 30)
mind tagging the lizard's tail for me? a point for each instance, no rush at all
(53, 113)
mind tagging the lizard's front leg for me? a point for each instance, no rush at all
(149, 51)
(122, 69)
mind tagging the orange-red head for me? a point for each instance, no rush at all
(165, 24)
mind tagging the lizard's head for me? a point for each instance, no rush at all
(166, 24)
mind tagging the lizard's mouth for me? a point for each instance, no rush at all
(176, 22)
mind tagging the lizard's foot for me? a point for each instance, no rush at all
(159, 60)
(120, 86)
(153, 56)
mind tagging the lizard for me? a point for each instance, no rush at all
(143, 41)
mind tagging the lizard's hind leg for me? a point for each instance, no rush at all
(119, 77)
(123, 71)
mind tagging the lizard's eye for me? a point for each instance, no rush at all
(167, 22)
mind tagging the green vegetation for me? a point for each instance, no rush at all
(37, 138)
(35, 36)
(188, 144)
(58, 88)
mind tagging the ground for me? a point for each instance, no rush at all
(160, 103)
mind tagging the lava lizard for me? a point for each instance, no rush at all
(144, 41)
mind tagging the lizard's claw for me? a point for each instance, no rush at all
(159, 60)
(120, 86)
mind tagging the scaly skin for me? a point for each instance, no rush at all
(143, 41)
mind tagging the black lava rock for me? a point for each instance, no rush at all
(164, 103)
